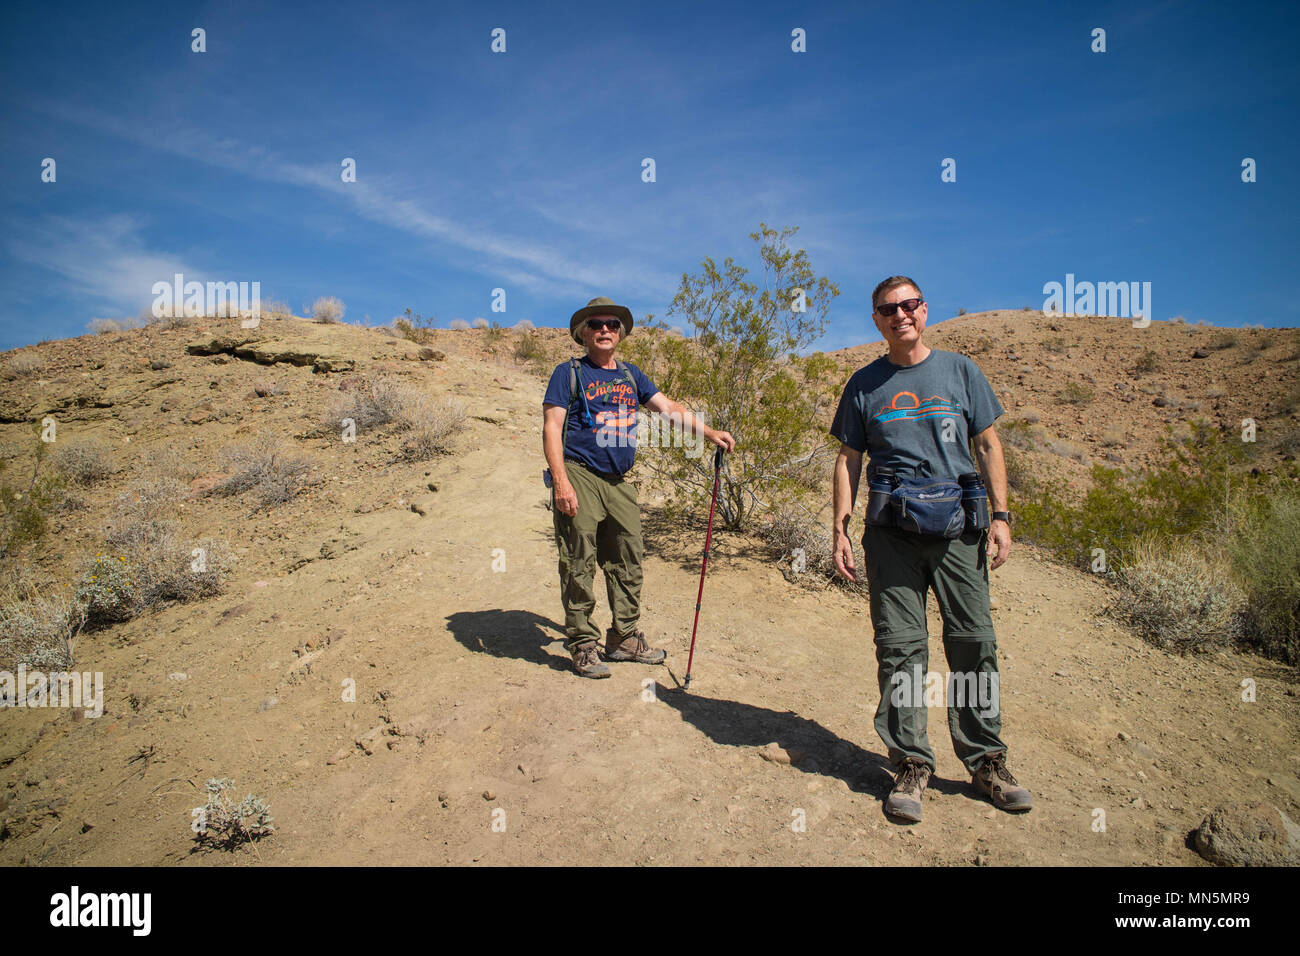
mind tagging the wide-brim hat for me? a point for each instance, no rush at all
(600, 306)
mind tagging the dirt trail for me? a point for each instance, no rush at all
(465, 701)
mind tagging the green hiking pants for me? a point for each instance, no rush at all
(901, 568)
(605, 531)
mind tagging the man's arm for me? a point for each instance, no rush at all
(844, 494)
(675, 413)
(988, 452)
(566, 499)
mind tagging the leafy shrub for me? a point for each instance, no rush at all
(529, 348)
(742, 371)
(26, 506)
(1075, 393)
(327, 309)
(223, 824)
(1265, 553)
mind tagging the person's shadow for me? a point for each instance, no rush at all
(815, 749)
(520, 634)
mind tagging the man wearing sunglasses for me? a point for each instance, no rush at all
(916, 412)
(589, 419)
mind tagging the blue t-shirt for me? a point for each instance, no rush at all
(917, 419)
(602, 430)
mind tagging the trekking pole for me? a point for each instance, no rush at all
(717, 470)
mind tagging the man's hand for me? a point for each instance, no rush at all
(844, 558)
(566, 499)
(722, 439)
(1000, 535)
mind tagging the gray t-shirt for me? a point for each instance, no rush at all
(917, 419)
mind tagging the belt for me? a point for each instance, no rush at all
(607, 475)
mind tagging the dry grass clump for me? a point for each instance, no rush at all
(1179, 598)
(37, 628)
(273, 472)
(382, 401)
(327, 309)
(21, 365)
(458, 325)
(802, 546)
(85, 463)
(1112, 436)
(1068, 449)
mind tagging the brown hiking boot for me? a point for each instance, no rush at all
(586, 661)
(994, 780)
(904, 800)
(633, 648)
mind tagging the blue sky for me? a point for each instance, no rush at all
(522, 170)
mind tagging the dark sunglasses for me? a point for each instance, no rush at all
(907, 305)
(610, 324)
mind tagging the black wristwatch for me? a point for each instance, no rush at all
(1002, 516)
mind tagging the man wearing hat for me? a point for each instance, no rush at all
(589, 416)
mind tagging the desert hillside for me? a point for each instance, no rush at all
(427, 583)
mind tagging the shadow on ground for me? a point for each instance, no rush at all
(519, 634)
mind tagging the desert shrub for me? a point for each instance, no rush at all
(223, 824)
(529, 348)
(27, 504)
(1148, 361)
(1289, 442)
(1226, 340)
(495, 333)
(84, 463)
(742, 371)
(1175, 498)
(22, 365)
(961, 311)
(523, 325)
(1215, 391)
(275, 309)
(458, 325)
(1031, 415)
(103, 326)
(37, 629)
(146, 565)
(1112, 436)
(1067, 449)
(1178, 597)
(384, 400)
(802, 545)
(1017, 467)
(1055, 343)
(480, 323)
(327, 309)
(1265, 555)
(272, 471)
(1019, 434)
(1290, 402)
(1075, 393)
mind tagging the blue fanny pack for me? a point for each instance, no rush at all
(934, 507)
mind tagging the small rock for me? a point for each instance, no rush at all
(1201, 353)
(489, 795)
(1123, 736)
(87, 825)
(775, 753)
(433, 486)
(981, 859)
(178, 675)
(341, 755)
(431, 355)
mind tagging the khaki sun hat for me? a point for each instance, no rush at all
(600, 306)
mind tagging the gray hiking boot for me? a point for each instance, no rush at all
(994, 780)
(586, 661)
(904, 800)
(633, 648)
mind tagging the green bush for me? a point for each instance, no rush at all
(741, 372)
(223, 824)
(1265, 553)
(26, 505)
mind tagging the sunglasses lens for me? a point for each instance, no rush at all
(887, 309)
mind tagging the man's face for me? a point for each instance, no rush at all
(601, 338)
(903, 327)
